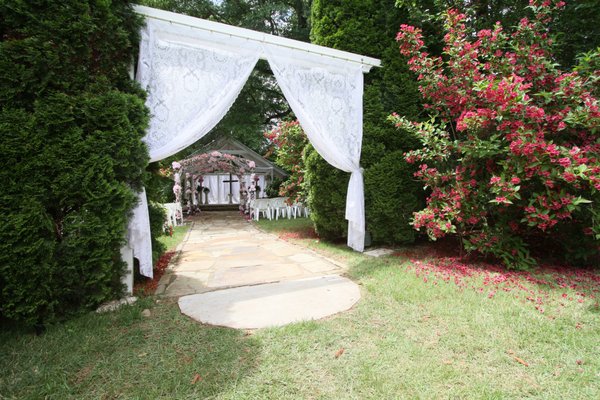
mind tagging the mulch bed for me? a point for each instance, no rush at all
(148, 286)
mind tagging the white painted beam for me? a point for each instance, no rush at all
(198, 23)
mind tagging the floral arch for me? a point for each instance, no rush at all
(194, 168)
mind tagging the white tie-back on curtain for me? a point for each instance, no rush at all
(192, 78)
(326, 96)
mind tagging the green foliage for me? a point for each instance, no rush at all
(326, 195)
(289, 139)
(157, 222)
(575, 31)
(272, 189)
(159, 187)
(588, 65)
(71, 124)
(390, 199)
(345, 24)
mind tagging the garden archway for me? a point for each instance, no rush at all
(194, 69)
(195, 168)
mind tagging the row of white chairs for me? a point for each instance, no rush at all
(174, 213)
(276, 207)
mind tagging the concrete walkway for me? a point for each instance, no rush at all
(224, 251)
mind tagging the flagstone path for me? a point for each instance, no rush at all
(223, 252)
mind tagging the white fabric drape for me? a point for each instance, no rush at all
(219, 189)
(212, 183)
(326, 96)
(193, 77)
(139, 235)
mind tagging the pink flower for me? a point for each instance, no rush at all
(569, 177)
(515, 180)
(565, 162)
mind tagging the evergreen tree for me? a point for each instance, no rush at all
(71, 123)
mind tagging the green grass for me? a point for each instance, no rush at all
(285, 225)
(179, 233)
(406, 338)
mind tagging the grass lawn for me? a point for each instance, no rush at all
(427, 326)
(179, 233)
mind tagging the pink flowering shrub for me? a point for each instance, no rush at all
(290, 140)
(511, 153)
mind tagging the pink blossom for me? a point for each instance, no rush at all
(565, 162)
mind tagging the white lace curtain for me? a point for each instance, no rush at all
(326, 96)
(194, 76)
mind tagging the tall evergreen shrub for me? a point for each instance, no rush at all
(71, 123)
(326, 196)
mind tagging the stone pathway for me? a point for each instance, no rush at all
(224, 251)
(272, 304)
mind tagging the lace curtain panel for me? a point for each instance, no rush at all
(326, 96)
(194, 76)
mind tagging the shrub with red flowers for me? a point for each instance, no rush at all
(511, 153)
(290, 141)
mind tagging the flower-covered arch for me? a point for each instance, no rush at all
(195, 167)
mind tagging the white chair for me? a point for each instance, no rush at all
(279, 206)
(297, 209)
(260, 205)
(174, 213)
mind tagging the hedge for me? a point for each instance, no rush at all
(71, 124)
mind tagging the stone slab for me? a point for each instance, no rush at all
(379, 252)
(272, 304)
(303, 258)
(251, 275)
(318, 266)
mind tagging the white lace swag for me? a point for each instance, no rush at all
(193, 77)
